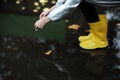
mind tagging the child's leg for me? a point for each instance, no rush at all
(96, 22)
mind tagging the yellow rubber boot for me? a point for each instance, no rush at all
(83, 38)
(98, 35)
(87, 37)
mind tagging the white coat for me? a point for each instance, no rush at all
(62, 8)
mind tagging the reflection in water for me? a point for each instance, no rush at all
(59, 67)
(113, 15)
(116, 41)
(117, 37)
(96, 61)
(115, 33)
(24, 59)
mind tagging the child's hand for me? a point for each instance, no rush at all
(43, 14)
(41, 23)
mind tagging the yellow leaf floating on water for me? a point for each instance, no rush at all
(118, 24)
(48, 52)
(74, 26)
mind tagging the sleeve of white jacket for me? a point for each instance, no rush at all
(63, 9)
(59, 2)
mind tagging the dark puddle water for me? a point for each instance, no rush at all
(23, 58)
